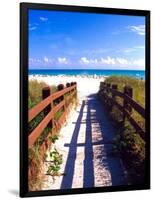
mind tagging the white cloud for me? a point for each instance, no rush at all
(93, 61)
(35, 60)
(140, 29)
(108, 60)
(32, 28)
(46, 60)
(43, 19)
(117, 62)
(139, 63)
(114, 61)
(122, 61)
(31, 60)
(84, 60)
(62, 60)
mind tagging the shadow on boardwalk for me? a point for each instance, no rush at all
(102, 160)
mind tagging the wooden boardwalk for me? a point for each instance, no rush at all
(86, 144)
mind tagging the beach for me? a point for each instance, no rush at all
(85, 139)
(86, 85)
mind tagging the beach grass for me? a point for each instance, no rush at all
(35, 154)
(35, 92)
(138, 86)
(127, 141)
(35, 157)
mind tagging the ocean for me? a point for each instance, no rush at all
(96, 72)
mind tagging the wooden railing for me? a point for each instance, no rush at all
(50, 105)
(108, 94)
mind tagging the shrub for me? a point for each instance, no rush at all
(127, 142)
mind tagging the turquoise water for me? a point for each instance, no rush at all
(132, 73)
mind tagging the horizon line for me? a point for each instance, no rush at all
(85, 69)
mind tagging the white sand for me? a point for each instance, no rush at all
(85, 141)
(86, 85)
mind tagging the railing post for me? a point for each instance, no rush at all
(75, 83)
(102, 91)
(68, 93)
(72, 83)
(105, 93)
(104, 88)
(114, 87)
(101, 85)
(107, 98)
(68, 84)
(126, 106)
(61, 87)
(45, 93)
(108, 86)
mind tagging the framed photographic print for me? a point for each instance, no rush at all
(85, 99)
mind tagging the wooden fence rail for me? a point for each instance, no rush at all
(50, 105)
(108, 94)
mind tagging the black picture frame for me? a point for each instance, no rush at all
(24, 94)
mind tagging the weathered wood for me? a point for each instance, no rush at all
(131, 101)
(128, 103)
(59, 106)
(114, 87)
(61, 87)
(33, 112)
(117, 93)
(130, 119)
(108, 87)
(47, 109)
(68, 84)
(129, 92)
(135, 125)
(62, 118)
(38, 130)
(61, 98)
(135, 105)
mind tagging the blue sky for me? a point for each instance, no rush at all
(68, 40)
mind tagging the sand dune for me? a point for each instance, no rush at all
(86, 85)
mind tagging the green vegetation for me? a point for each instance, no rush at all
(37, 153)
(35, 92)
(35, 167)
(127, 143)
(55, 159)
(35, 97)
(53, 138)
(137, 85)
(55, 163)
(138, 95)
